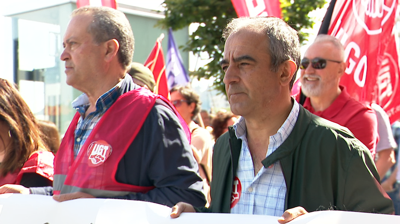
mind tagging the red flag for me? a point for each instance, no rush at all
(246, 8)
(155, 62)
(108, 3)
(365, 28)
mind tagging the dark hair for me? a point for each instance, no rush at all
(110, 24)
(283, 41)
(220, 122)
(190, 96)
(24, 132)
(51, 136)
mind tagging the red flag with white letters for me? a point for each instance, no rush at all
(107, 3)
(366, 30)
(155, 62)
(253, 8)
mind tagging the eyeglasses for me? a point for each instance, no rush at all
(316, 63)
(177, 103)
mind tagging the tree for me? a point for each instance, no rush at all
(213, 15)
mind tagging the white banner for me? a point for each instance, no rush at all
(37, 209)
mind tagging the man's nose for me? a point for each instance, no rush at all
(231, 75)
(64, 55)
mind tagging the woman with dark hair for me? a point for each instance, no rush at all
(24, 158)
(50, 135)
(222, 120)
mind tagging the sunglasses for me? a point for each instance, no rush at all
(316, 63)
(178, 103)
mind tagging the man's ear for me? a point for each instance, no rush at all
(111, 47)
(288, 70)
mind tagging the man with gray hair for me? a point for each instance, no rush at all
(321, 69)
(279, 159)
(124, 141)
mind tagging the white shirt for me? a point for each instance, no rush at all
(263, 194)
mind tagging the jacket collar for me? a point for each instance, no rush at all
(293, 140)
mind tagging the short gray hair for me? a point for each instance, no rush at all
(110, 24)
(283, 41)
(324, 38)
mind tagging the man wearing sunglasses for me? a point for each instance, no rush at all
(321, 69)
(278, 155)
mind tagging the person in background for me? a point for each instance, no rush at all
(51, 137)
(321, 69)
(207, 120)
(385, 157)
(279, 159)
(142, 76)
(124, 142)
(222, 120)
(392, 183)
(24, 158)
(188, 104)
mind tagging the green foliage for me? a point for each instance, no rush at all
(213, 15)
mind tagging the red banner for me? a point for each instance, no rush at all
(108, 3)
(365, 28)
(155, 62)
(253, 8)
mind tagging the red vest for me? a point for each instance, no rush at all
(40, 162)
(93, 170)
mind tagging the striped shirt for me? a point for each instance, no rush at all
(263, 194)
(86, 124)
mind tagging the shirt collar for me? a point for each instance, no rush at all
(81, 103)
(336, 106)
(283, 131)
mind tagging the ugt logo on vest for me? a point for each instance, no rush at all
(98, 152)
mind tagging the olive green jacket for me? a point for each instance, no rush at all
(324, 165)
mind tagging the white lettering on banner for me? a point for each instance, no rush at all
(387, 80)
(361, 66)
(384, 83)
(354, 60)
(342, 36)
(351, 46)
(258, 10)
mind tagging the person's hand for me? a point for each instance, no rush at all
(14, 188)
(71, 196)
(291, 214)
(181, 207)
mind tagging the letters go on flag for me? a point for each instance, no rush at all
(176, 73)
(108, 3)
(252, 8)
(155, 62)
(366, 30)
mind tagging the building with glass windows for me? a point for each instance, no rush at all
(32, 60)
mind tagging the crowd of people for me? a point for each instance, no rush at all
(269, 154)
